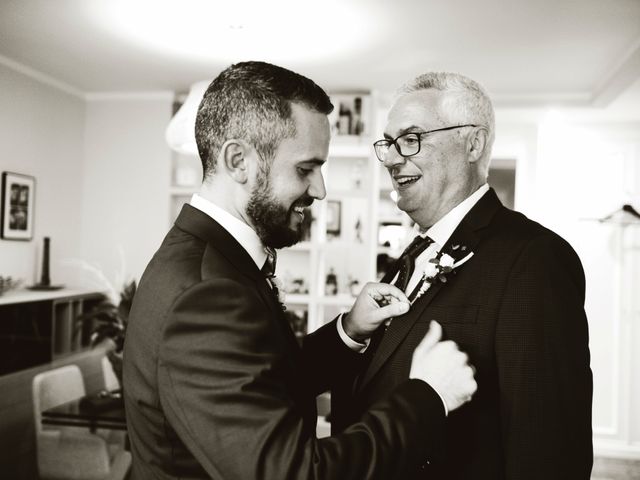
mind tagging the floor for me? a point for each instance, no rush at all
(615, 469)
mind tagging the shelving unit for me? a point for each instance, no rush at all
(38, 327)
(186, 176)
(344, 230)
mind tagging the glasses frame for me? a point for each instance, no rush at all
(394, 142)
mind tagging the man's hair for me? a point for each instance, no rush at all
(252, 101)
(469, 102)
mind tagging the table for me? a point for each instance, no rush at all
(92, 411)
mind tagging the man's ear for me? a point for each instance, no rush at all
(233, 160)
(477, 143)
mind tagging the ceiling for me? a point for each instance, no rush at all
(526, 52)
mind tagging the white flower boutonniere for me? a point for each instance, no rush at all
(440, 266)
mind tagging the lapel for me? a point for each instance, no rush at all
(202, 226)
(469, 234)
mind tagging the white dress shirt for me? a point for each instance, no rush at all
(440, 232)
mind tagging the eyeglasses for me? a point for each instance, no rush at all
(407, 144)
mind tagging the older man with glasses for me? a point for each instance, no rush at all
(509, 291)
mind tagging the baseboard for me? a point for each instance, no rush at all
(613, 449)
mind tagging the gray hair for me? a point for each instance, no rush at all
(469, 103)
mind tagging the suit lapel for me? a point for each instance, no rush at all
(201, 225)
(467, 234)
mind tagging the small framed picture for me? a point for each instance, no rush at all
(18, 197)
(333, 217)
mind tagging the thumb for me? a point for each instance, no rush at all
(432, 337)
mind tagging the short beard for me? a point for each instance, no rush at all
(270, 218)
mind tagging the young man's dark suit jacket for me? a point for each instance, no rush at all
(216, 386)
(516, 308)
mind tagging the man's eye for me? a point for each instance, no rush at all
(410, 140)
(304, 171)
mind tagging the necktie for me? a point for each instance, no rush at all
(407, 266)
(408, 260)
(269, 267)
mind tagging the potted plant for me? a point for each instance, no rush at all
(108, 324)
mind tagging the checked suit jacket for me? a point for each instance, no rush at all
(516, 308)
(216, 386)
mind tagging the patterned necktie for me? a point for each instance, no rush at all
(408, 260)
(269, 267)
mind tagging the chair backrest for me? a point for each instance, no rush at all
(110, 380)
(55, 387)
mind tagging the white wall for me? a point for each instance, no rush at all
(41, 134)
(125, 210)
(570, 173)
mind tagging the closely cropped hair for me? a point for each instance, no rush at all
(252, 101)
(469, 104)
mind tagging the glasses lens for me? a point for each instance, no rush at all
(382, 148)
(408, 144)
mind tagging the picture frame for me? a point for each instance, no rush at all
(18, 199)
(334, 208)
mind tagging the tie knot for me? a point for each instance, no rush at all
(417, 246)
(269, 267)
(406, 262)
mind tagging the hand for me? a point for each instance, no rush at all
(443, 366)
(376, 303)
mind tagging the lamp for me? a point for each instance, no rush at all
(180, 134)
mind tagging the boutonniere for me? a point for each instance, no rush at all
(442, 265)
(278, 288)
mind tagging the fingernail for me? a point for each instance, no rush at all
(404, 307)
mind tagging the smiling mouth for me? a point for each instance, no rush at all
(299, 211)
(406, 181)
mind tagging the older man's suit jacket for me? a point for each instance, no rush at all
(516, 308)
(216, 386)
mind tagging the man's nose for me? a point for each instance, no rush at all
(316, 188)
(393, 158)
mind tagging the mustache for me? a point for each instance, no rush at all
(303, 202)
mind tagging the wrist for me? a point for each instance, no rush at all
(350, 331)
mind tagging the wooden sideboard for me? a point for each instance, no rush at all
(37, 327)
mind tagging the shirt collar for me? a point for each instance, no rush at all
(243, 233)
(444, 228)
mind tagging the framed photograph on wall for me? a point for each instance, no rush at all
(18, 198)
(333, 217)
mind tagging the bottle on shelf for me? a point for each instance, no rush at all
(331, 283)
(344, 120)
(354, 286)
(357, 125)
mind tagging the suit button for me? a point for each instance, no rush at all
(424, 465)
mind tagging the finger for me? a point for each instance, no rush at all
(386, 290)
(392, 310)
(432, 337)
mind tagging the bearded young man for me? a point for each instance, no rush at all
(215, 384)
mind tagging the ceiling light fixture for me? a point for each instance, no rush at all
(180, 133)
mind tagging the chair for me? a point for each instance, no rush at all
(71, 453)
(110, 380)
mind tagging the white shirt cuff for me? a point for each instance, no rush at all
(348, 341)
(446, 410)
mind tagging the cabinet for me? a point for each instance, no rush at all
(38, 327)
